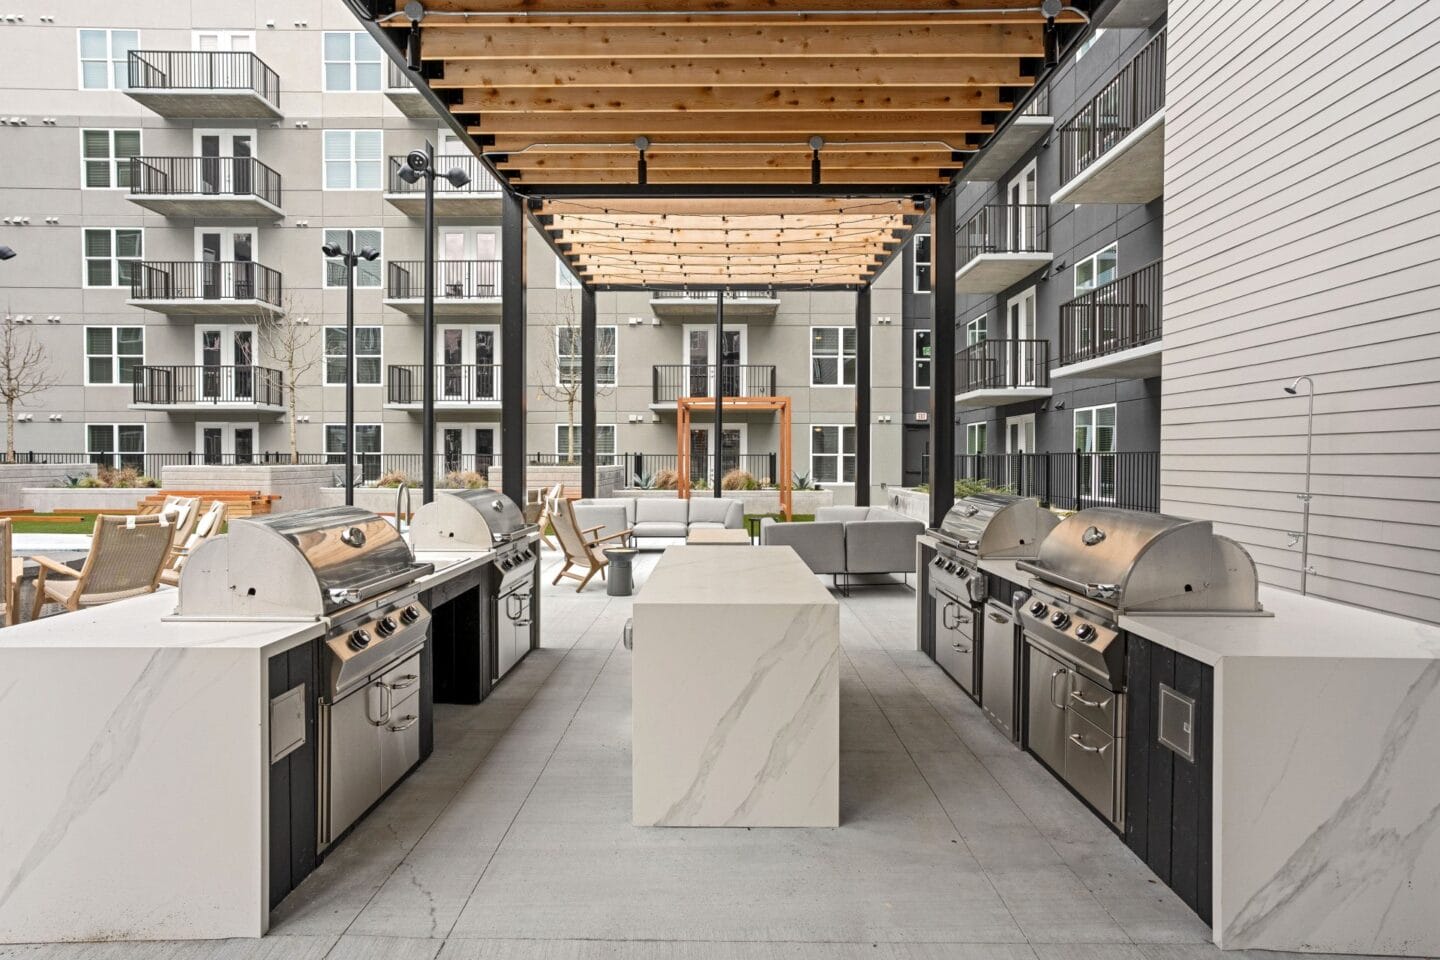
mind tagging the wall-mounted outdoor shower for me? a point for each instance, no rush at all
(1303, 538)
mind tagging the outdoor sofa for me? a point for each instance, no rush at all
(848, 541)
(659, 518)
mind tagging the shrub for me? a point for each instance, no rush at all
(802, 482)
(110, 478)
(738, 479)
(395, 479)
(666, 480)
(968, 488)
(466, 480)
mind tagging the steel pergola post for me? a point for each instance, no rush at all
(512, 346)
(862, 397)
(942, 368)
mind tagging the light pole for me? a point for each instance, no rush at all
(1293, 389)
(421, 163)
(349, 259)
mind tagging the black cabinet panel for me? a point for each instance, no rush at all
(1138, 744)
(457, 632)
(293, 783)
(1162, 769)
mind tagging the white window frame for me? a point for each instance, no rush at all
(564, 358)
(378, 264)
(379, 455)
(112, 164)
(976, 330)
(973, 432)
(352, 160)
(564, 279)
(1094, 261)
(227, 430)
(114, 452)
(114, 356)
(1092, 428)
(351, 62)
(114, 258)
(839, 457)
(110, 61)
(602, 458)
(326, 355)
(916, 263)
(839, 357)
(917, 360)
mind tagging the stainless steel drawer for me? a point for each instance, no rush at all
(998, 668)
(1092, 765)
(954, 640)
(1096, 704)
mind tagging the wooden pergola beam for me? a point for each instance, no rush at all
(496, 100)
(1024, 9)
(721, 159)
(733, 206)
(908, 175)
(798, 248)
(798, 124)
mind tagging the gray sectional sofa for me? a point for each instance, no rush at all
(847, 541)
(659, 518)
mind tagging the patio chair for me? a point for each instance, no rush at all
(125, 560)
(581, 547)
(209, 525)
(184, 513)
(10, 601)
(548, 498)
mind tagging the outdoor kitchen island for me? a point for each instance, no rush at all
(736, 689)
(142, 784)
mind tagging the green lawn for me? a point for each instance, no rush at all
(71, 523)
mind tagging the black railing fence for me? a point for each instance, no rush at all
(204, 177)
(481, 179)
(1127, 101)
(206, 280)
(670, 381)
(1121, 314)
(764, 467)
(202, 70)
(1066, 481)
(1003, 364)
(454, 279)
(238, 385)
(454, 383)
(1004, 228)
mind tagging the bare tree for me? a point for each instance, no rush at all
(24, 372)
(560, 378)
(288, 340)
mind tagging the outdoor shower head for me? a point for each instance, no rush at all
(1294, 387)
(1291, 390)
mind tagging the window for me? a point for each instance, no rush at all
(921, 280)
(104, 58)
(367, 356)
(1087, 43)
(1096, 270)
(106, 155)
(352, 62)
(604, 443)
(975, 331)
(564, 279)
(832, 454)
(567, 356)
(116, 444)
(832, 356)
(352, 159)
(111, 255)
(367, 448)
(112, 354)
(1095, 449)
(922, 360)
(367, 272)
(974, 438)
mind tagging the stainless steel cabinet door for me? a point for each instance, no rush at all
(954, 643)
(354, 757)
(1092, 764)
(1047, 684)
(400, 740)
(997, 668)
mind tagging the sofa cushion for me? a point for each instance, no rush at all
(820, 545)
(712, 510)
(608, 515)
(659, 528)
(841, 514)
(625, 503)
(882, 546)
(666, 510)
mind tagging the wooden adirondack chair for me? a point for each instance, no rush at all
(581, 547)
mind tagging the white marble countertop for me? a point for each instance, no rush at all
(710, 575)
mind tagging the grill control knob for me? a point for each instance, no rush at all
(410, 614)
(1037, 609)
(1085, 632)
(359, 640)
(1061, 619)
(386, 626)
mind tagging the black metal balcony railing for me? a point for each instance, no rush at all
(1003, 365)
(454, 279)
(206, 280)
(1127, 101)
(454, 383)
(187, 70)
(204, 177)
(670, 381)
(370, 466)
(703, 294)
(1039, 104)
(1005, 228)
(395, 78)
(481, 179)
(188, 385)
(764, 467)
(1121, 314)
(1067, 481)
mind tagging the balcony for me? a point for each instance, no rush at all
(994, 373)
(463, 387)
(1114, 331)
(1113, 150)
(463, 288)
(402, 93)
(670, 381)
(1001, 245)
(205, 187)
(210, 390)
(1128, 14)
(479, 197)
(206, 288)
(1013, 140)
(739, 304)
(195, 84)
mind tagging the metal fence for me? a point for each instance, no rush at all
(205, 280)
(1067, 481)
(670, 381)
(1121, 314)
(204, 177)
(454, 383)
(764, 467)
(1002, 364)
(1127, 101)
(1005, 228)
(202, 70)
(481, 179)
(454, 279)
(186, 385)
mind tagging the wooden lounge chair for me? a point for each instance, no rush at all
(10, 600)
(184, 513)
(547, 511)
(208, 526)
(126, 557)
(581, 547)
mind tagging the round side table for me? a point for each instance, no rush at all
(621, 579)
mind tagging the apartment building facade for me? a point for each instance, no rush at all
(170, 186)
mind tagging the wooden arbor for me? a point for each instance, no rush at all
(685, 405)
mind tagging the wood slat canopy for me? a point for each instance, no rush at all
(587, 106)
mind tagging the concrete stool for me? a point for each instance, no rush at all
(621, 579)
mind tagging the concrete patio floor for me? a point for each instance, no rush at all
(514, 840)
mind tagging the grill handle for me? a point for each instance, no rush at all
(1095, 591)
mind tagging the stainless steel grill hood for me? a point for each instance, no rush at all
(468, 520)
(1148, 563)
(998, 525)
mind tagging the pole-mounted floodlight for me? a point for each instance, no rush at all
(6, 253)
(1294, 389)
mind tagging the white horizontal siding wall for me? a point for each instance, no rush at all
(1302, 236)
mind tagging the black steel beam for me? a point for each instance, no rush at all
(719, 438)
(942, 352)
(587, 393)
(862, 398)
(706, 289)
(749, 191)
(512, 347)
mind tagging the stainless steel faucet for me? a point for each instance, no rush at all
(1293, 389)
